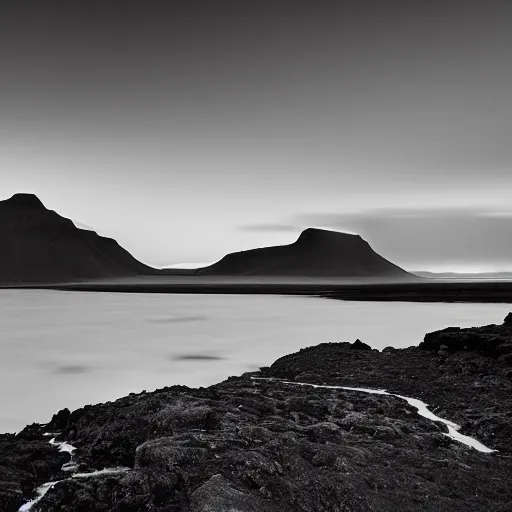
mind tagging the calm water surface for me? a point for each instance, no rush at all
(68, 349)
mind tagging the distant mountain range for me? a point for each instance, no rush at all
(40, 246)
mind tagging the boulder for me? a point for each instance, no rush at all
(167, 452)
(219, 495)
(359, 345)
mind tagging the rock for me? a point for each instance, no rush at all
(485, 341)
(187, 416)
(508, 320)
(309, 377)
(219, 495)
(504, 348)
(431, 339)
(359, 345)
(507, 359)
(60, 420)
(166, 452)
(11, 496)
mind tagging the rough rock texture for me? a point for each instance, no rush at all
(492, 340)
(250, 445)
(26, 461)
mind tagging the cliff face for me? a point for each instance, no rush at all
(316, 253)
(40, 246)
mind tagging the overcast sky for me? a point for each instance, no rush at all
(188, 129)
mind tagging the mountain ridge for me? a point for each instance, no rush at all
(315, 253)
(39, 245)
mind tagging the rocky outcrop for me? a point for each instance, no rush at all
(26, 461)
(261, 444)
(490, 341)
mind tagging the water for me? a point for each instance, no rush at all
(421, 408)
(68, 349)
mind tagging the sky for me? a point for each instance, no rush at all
(189, 129)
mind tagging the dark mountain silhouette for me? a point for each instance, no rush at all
(316, 253)
(38, 245)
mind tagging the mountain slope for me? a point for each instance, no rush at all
(316, 253)
(38, 245)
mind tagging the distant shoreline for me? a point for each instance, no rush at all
(421, 291)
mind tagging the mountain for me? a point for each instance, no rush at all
(316, 253)
(40, 246)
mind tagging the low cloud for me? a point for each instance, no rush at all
(195, 357)
(402, 213)
(274, 228)
(71, 369)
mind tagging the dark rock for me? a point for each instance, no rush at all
(359, 345)
(60, 420)
(219, 495)
(490, 341)
(507, 359)
(167, 451)
(504, 348)
(26, 461)
(508, 320)
(313, 378)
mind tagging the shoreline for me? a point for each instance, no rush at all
(260, 445)
(421, 291)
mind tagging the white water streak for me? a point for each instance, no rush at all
(40, 491)
(63, 446)
(101, 472)
(420, 406)
(69, 467)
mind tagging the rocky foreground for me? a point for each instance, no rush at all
(269, 445)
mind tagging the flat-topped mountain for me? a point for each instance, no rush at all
(316, 253)
(40, 246)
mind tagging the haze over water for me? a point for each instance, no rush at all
(69, 349)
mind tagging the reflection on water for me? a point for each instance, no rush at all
(68, 349)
